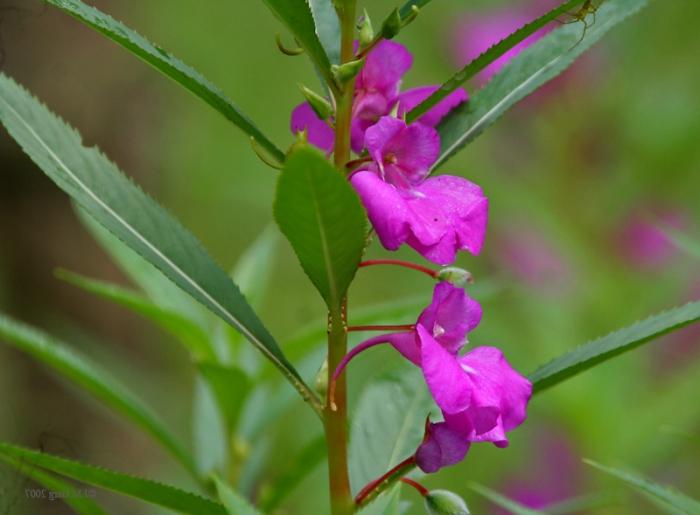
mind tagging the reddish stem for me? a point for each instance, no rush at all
(387, 477)
(401, 327)
(415, 484)
(397, 262)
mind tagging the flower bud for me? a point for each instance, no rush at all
(320, 105)
(455, 275)
(347, 71)
(444, 502)
(366, 30)
(321, 382)
(392, 25)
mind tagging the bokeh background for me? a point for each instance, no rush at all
(579, 177)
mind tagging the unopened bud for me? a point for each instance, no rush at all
(444, 502)
(366, 30)
(392, 25)
(455, 275)
(321, 382)
(347, 71)
(320, 105)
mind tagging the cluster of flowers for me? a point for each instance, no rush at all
(480, 395)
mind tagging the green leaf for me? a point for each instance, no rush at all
(681, 240)
(234, 503)
(230, 386)
(79, 501)
(140, 488)
(321, 216)
(327, 27)
(195, 340)
(295, 472)
(296, 16)
(501, 500)
(210, 439)
(581, 504)
(614, 344)
(668, 495)
(91, 378)
(533, 67)
(131, 215)
(407, 8)
(388, 424)
(168, 65)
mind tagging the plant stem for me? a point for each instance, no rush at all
(336, 419)
(382, 483)
(397, 262)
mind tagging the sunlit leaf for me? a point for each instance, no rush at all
(92, 378)
(234, 503)
(327, 27)
(668, 495)
(321, 216)
(121, 206)
(533, 67)
(600, 350)
(140, 488)
(168, 65)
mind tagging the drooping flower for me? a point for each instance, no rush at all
(436, 216)
(480, 395)
(377, 94)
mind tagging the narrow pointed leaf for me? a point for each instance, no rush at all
(614, 344)
(502, 501)
(327, 27)
(139, 488)
(296, 16)
(529, 70)
(407, 8)
(668, 495)
(230, 386)
(134, 217)
(235, 504)
(195, 340)
(168, 65)
(321, 216)
(63, 490)
(92, 378)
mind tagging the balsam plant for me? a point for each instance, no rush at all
(363, 150)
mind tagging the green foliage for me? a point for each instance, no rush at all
(321, 216)
(122, 207)
(388, 423)
(327, 27)
(502, 501)
(140, 488)
(195, 340)
(614, 344)
(296, 16)
(233, 502)
(93, 379)
(407, 8)
(230, 386)
(678, 501)
(168, 65)
(528, 71)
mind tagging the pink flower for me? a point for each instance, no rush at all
(480, 395)
(376, 95)
(436, 216)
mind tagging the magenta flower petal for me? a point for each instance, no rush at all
(368, 108)
(450, 316)
(407, 345)
(441, 447)
(319, 132)
(412, 97)
(384, 68)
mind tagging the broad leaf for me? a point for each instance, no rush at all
(296, 16)
(230, 386)
(118, 204)
(91, 378)
(294, 472)
(140, 488)
(669, 496)
(234, 503)
(167, 64)
(195, 340)
(63, 490)
(502, 501)
(327, 27)
(536, 65)
(321, 216)
(614, 344)
(388, 424)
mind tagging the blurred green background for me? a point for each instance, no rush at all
(575, 175)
